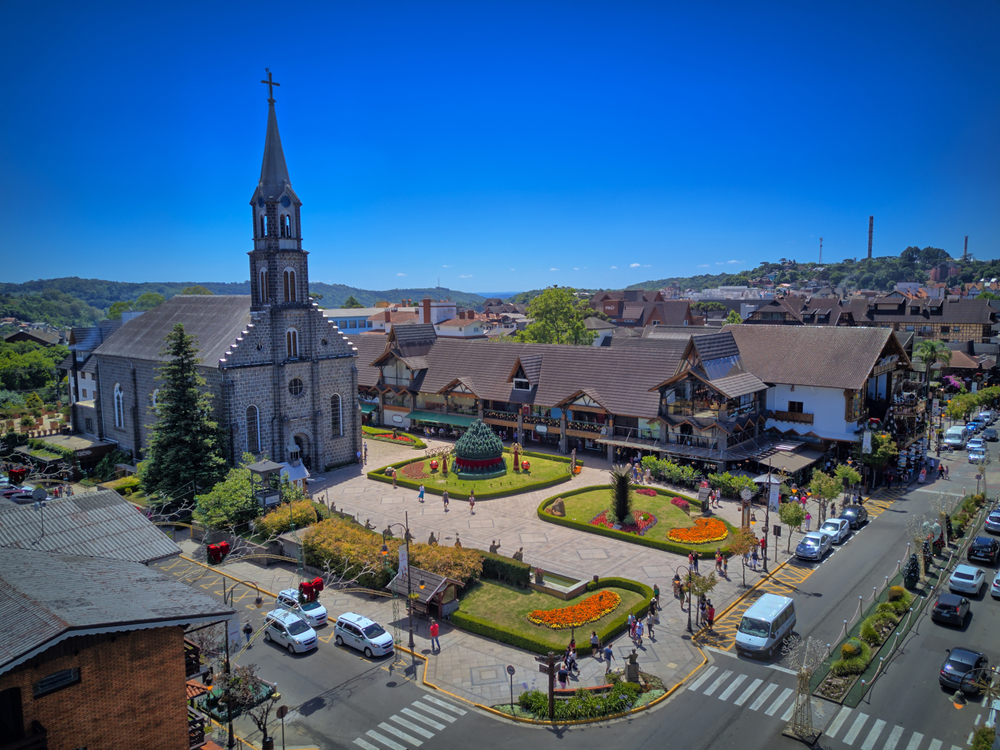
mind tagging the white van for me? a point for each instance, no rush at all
(956, 437)
(765, 626)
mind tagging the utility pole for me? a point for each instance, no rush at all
(871, 230)
(965, 252)
(821, 251)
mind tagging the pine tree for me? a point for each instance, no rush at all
(184, 456)
(911, 571)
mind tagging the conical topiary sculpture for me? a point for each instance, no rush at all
(479, 453)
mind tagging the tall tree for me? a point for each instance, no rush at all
(149, 300)
(620, 488)
(197, 289)
(351, 304)
(733, 318)
(184, 456)
(558, 318)
(932, 352)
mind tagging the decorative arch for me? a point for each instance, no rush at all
(263, 225)
(119, 406)
(253, 429)
(285, 225)
(336, 416)
(289, 284)
(292, 343)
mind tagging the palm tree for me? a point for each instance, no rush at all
(621, 494)
(931, 352)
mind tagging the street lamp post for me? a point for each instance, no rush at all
(226, 596)
(687, 571)
(409, 586)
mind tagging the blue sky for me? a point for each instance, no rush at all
(496, 146)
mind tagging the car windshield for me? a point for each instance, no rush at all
(374, 630)
(757, 628)
(809, 542)
(830, 526)
(310, 605)
(983, 541)
(964, 576)
(957, 665)
(297, 627)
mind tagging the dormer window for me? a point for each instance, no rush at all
(521, 384)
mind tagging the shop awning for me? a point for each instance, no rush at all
(368, 408)
(792, 462)
(455, 420)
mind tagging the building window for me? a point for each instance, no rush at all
(57, 681)
(335, 416)
(84, 394)
(354, 324)
(253, 429)
(295, 387)
(89, 425)
(119, 406)
(520, 384)
(262, 292)
(286, 225)
(795, 407)
(289, 285)
(263, 225)
(292, 343)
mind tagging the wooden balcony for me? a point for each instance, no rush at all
(196, 729)
(793, 416)
(192, 660)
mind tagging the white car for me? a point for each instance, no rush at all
(838, 528)
(289, 630)
(313, 613)
(977, 456)
(814, 546)
(995, 588)
(976, 444)
(967, 579)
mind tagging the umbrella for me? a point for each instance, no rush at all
(763, 479)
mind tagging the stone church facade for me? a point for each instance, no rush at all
(283, 379)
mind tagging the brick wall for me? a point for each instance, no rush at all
(130, 694)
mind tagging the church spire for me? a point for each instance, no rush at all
(273, 170)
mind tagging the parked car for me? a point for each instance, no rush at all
(959, 670)
(988, 415)
(838, 529)
(814, 546)
(984, 548)
(993, 521)
(357, 631)
(977, 456)
(967, 579)
(313, 613)
(976, 444)
(950, 608)
(974, 426)
(991, 434)
(287, 629)
(855, 515)
(995, 588)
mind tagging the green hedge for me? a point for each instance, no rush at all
(375, 433)
(506, 570)
(483, 627)
(379, 475)
(557, 457)
(666, 546)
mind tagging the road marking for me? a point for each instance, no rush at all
(893, 738)
(914, 742)
(935, 745)
(384, 740)
(763, 696)
(873, 735)
(366, 744)
(852, 734)
(715, 685)
(748, 692)
(773, 708)
(434, 712)
(412, 727)
(420, 717)
(444, 704)
(839, 722)
(732, 688)
(789, 711)
(400, 733)
(708, 673)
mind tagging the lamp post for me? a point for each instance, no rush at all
(226, 596)
(767, 513)
(409, 587)
(985, 681)
(687, 571)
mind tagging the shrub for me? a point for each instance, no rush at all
(125, 485)
(350, 550)
(850, 649)
(854, 664)
(584, 704)
(982, 738)
(506, 570)
(873, 627)
(385, 475)
(385, 436)
(681, 503)
(280, 520)
(458, 563)
(731, 485)
(896, 593)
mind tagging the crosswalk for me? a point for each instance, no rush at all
(776, 698)
(421, 719)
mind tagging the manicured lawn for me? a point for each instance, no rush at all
(508, 607)
(542, 470)
(584, 506)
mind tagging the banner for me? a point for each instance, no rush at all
(404, 563)
(233, 633)
(774, 500)
(866, 443)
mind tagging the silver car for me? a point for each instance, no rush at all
(814, 546)
(993, 522)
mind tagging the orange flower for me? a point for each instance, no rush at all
(590, 609)
(705, 530)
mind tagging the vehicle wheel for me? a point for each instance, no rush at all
(291, 648)
(339, 641)
(368, 652)
(267, 636)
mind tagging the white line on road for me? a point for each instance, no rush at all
(839, 722)
(412, 727)
(935, 745)
(400, 733)
(873, 735)
(420, 717)
(444, 704)
(365, 744)
(852, 734)
(893, 738)
(914, 742)
(773, 708)
(384, 740)
(724, 695)
(697, 683)
(748, 692)
(434, 712)
(715, 685)
(771, 687)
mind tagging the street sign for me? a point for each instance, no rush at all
(746, 494)
(777, 530)
(282, 712)
(544, 669)
(542, 659)
(510, 671)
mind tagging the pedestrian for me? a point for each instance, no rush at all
(394, 478)
(359, 457)
(435, 629)
(809, 519)
(595, 644)
(472, 502)
(691, 560)
(702, 611)
(763, 545)
(653, 605)
(947, 474)
(677, 586)
(444, 499)
(248, 631)
(650, 621)
(366, 453)
(638, 632)
(571, 661)
(725, 567)
(609, 656)
(563, 675)
(694, 560)
(420, 494)
(631, 625)
(754, 558)
(718, 560)
(710, 615)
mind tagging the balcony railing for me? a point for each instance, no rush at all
(793, 416)
(36, 739)
(507, 416)
(196, 729)
(585, 427)
(532, 419)
(192, 659)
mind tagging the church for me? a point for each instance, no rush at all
(283, 379)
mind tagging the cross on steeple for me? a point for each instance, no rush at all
(270, 86)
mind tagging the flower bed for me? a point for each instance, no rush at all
(642, 520)
(590, 609)
(681, 503)
(646, 491)
(704, 530)
(414, 471)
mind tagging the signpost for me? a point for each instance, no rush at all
(547, 665)
(510, 671)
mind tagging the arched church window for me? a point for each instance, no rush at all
(263, 225)
(295, 387)
(292, 343)
(253, 429)
(119, 406)
(289, 279)
(263, 285)
(286, 225)
(335, 416)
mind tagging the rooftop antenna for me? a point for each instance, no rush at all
(871, 229)
(821, 251)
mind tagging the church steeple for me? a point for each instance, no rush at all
(278, 270)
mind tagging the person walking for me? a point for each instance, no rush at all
(248, 631)
(656, 591)
(650, 622)
(563, 674)
(435, 629)
(718, 560)
(595, 644)
(809, 519)
(638, 632)
(444, 499)
(472, 502)
(694, 562)
(710, 615)
(366, 453)
(420, 494)
(394, 473)
(702, 610)
(631, 625)
(609, 656)
(754, 557)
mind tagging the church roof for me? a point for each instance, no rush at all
(274, 179)
(216, 321)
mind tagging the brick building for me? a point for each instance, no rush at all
(282, 377)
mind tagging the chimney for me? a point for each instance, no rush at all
(388, 316)
(427, 310)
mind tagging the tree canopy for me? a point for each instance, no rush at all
(351, 304)
(197, 289)
(558, 318)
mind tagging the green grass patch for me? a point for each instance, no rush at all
(385, 436)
